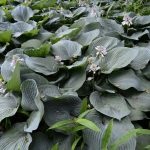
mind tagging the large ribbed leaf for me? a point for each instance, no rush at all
(8, 105)
(87, 37)
(61, 108)
(34, 43)
(40, 142)
(94, 139)
(76, 80)
(49, 90)
(140, 101)
(146, 71)
(20, 28)
(66, 49)
(110, 26)
(46, 66)
(142, 59)
(22, 13)
(112, 105)
(15, 138)
(117, 58)
(31, 102)
(125, 79)
(40, 80)
(7, 69)
(141, 20)
(107, 42)
(136, 35)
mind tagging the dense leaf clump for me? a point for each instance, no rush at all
(75, 75)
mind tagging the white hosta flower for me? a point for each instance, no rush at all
(127, 20)
(93, 12)
(2, 87)
(90, 60)
(89, 78)
(15, 59)
(101, 50)
(58, 59)
(94, 68)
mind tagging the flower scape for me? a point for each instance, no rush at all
(75, 75)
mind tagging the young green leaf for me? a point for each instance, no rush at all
(55, 147)
(128, 136)
(75, 143)
(60, 124)
(107, 135)
(14, 83)
(84, 106)
(87, 123)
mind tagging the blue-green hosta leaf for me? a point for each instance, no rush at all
(61, 108)
(40, 141)
(5, 36)
(4, 26)
(33, 43)
(107, 42)
(31, 102)
(117, 58)
(125, 79)
(82, 22)
(46, 66)
(141, 20)
(136, 35)
(79, 11)
(20, 28)
(9, 105)
(86, 38)
(146, 71)
(94, 139)
(140, 101)
(69, 33)
(66, 49)
(112, 105)
(109, 25)
(40, 80)
(22, 13)
(15, 138)
(136, 115)
(76, 79)
(81, 63)
(49, 90)
(142, 59)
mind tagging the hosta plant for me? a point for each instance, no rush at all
(75, 75)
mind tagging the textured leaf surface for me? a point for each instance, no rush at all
(9, 105)
(117, 58)
(31, 102)
(66, 49)
(15, 138)
(112, 105)
(46, 66)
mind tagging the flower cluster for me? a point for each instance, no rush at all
(2, 87)
(101, 50)
(127, 20)
(15, 59)
(94, 68)
(59, 59)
